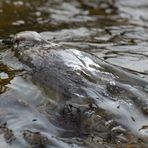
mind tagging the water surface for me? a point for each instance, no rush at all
(115, 31)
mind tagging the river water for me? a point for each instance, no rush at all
(115, 31)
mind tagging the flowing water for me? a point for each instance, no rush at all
(115, 31)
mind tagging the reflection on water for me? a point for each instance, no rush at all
(109, 104)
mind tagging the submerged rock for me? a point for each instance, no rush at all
(28, 36)
(7, 133)
(35, 138)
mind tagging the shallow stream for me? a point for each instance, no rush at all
(115, 31)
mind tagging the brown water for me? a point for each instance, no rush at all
(113, 30)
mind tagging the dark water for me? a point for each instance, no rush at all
(113, 30)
